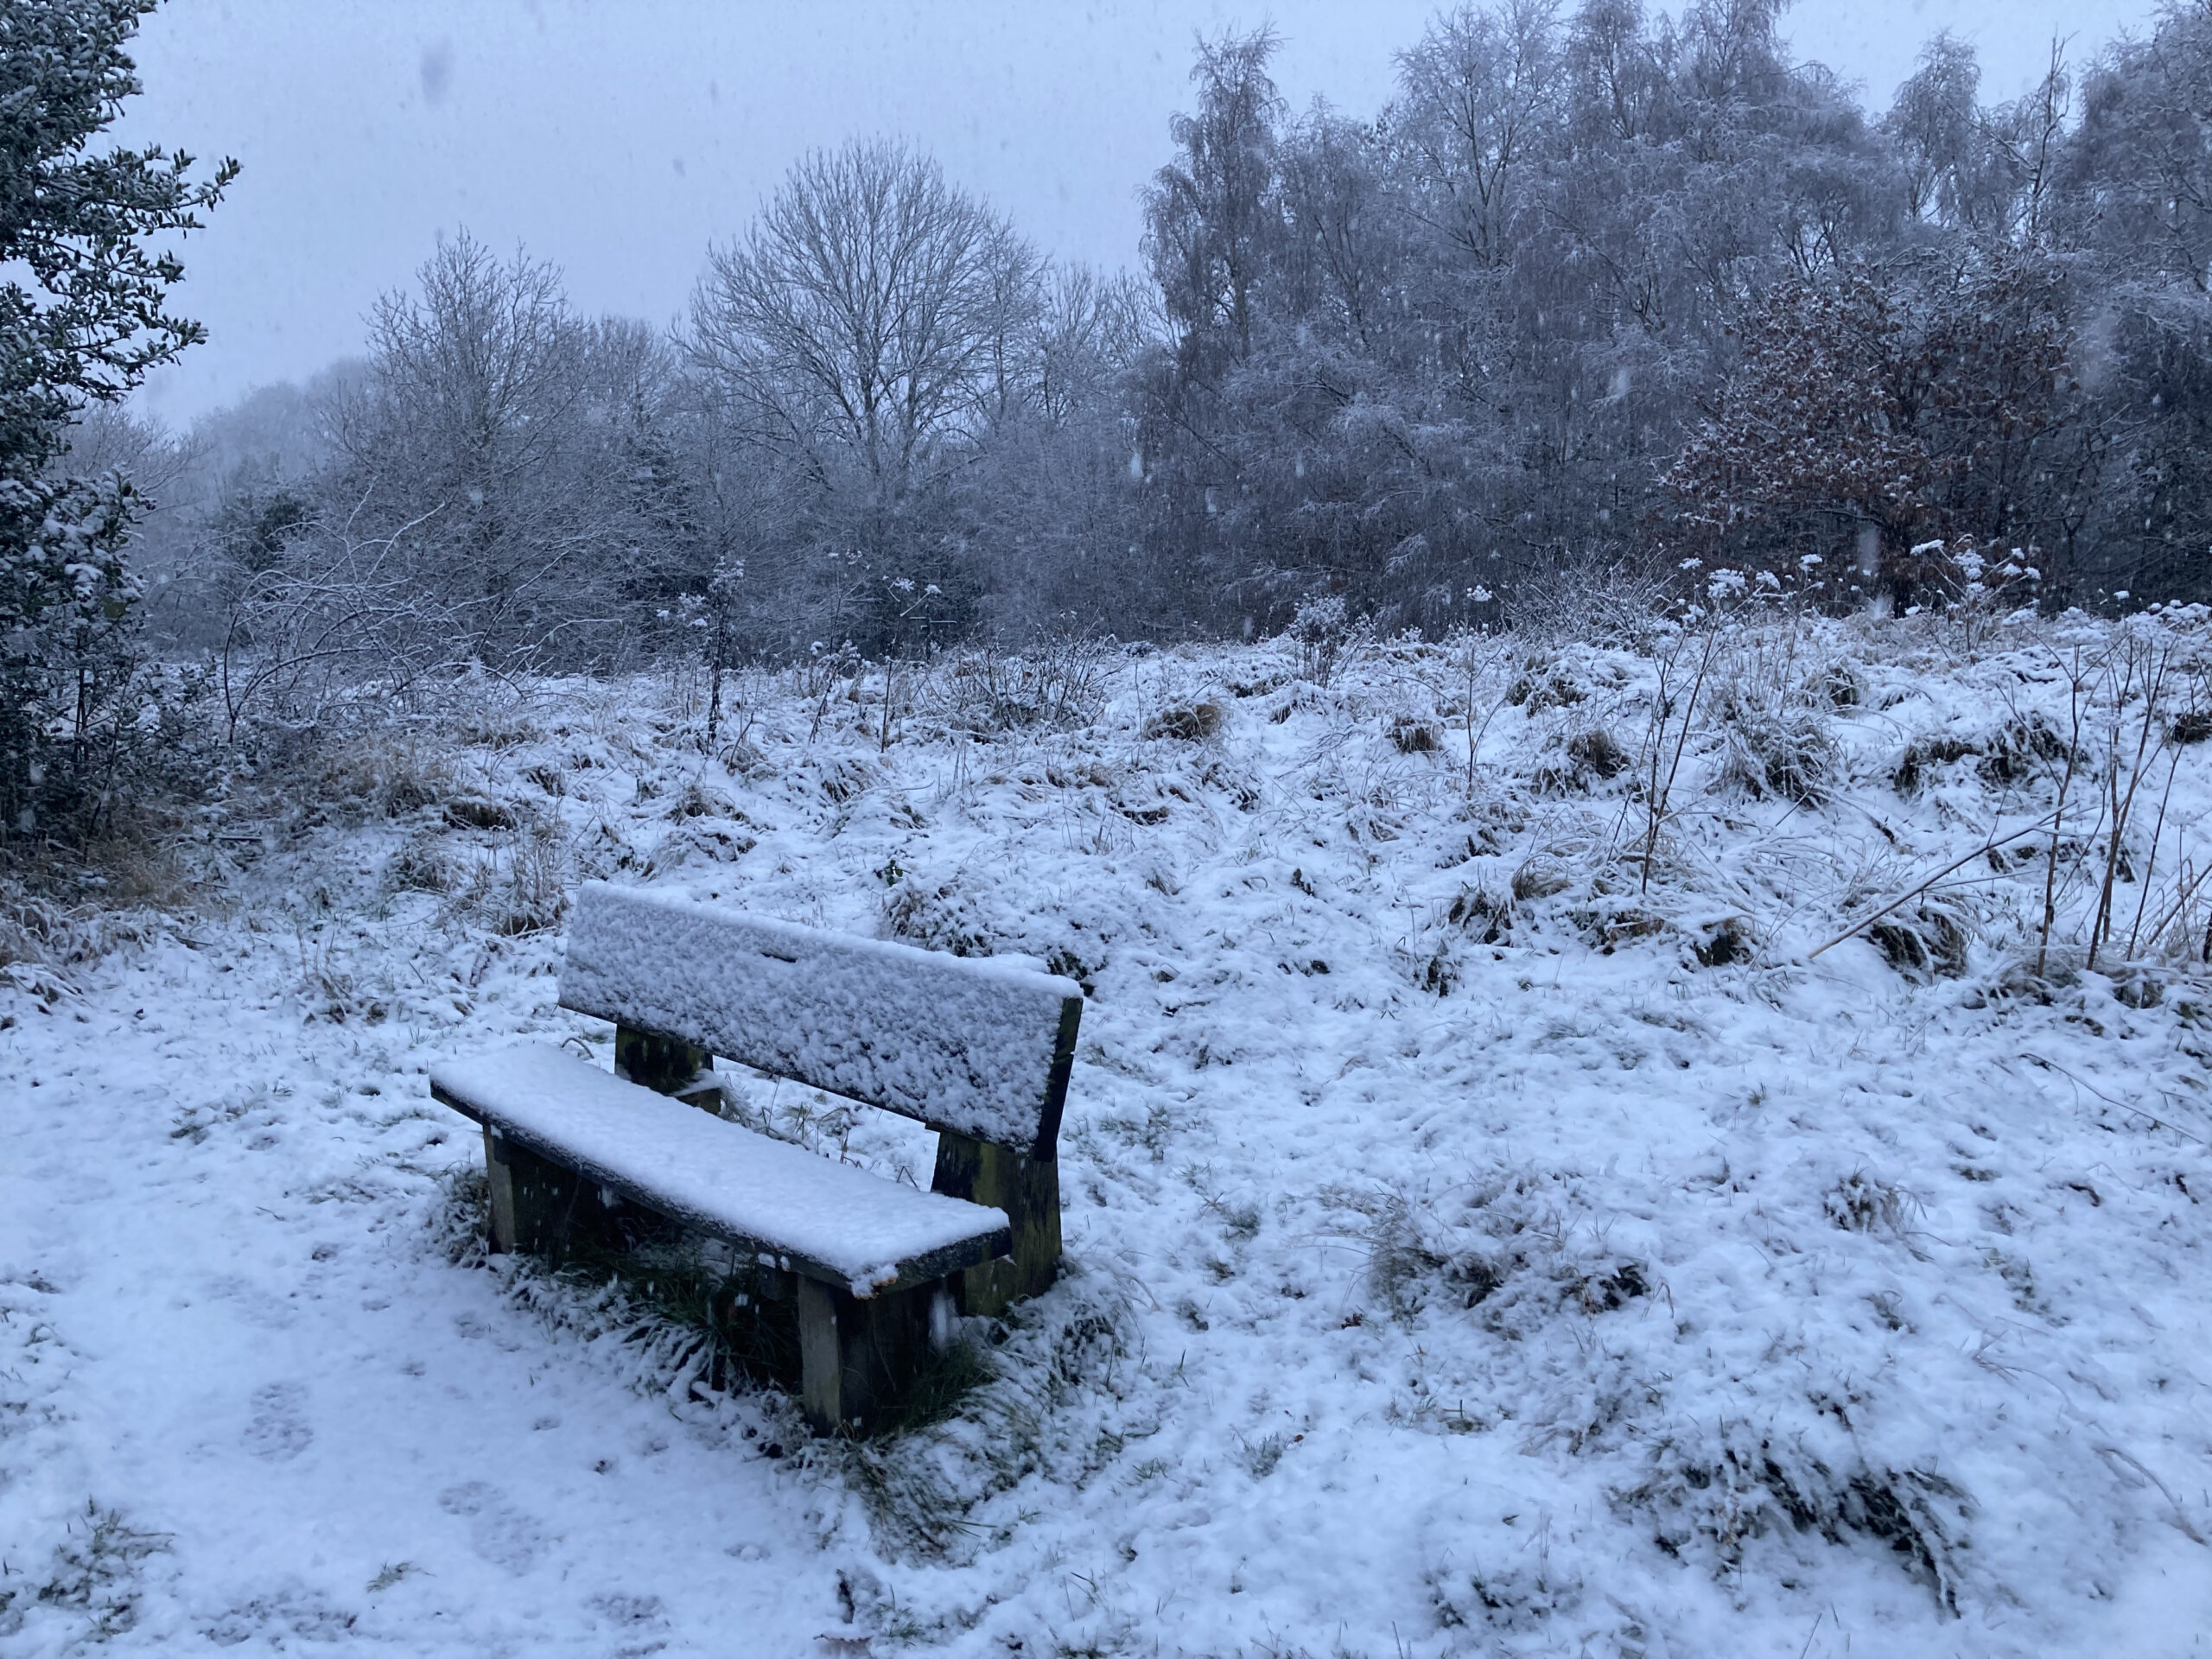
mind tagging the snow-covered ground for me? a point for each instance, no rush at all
(1471, 1247)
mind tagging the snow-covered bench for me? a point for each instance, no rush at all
(979, 1051)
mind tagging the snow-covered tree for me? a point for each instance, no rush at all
(506, 461)
(83, 317)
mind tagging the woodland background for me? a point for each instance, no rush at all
(1599, 293)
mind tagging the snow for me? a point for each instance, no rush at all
(964, 1044)
(823, 1218)
(1529, 1318)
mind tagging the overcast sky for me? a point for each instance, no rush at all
(618, 139)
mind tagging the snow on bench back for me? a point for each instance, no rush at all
(980, 1047)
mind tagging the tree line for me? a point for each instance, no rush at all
(1598, 289)
(1597, 292)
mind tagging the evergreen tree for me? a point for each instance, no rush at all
(82, 319)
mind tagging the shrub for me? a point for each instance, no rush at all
(1775, 752)
(1598, 753)
(420, 865)
(1930, 942)
(534, 898)
(1919, 758)
(1191, 722)
(1322, 629)
(1411, 736)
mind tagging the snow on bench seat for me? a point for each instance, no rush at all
(826, 1220)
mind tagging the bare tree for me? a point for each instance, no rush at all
(1482, 94)
(475, 378)
(1212, 216)
(503, 488)
(2027, 138)
(1935, 124)
(508, 456)
(852, 349)
(864, 321)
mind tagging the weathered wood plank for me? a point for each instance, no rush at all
(855, 1356)
(1028, 1189)
(538, 1206)
(666, 1065)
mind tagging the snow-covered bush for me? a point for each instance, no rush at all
(1322, 629)
(1774, 753)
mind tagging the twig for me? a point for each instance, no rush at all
(1982, 851)
(2074, 683)
(2187, 888)
(2154, 670)
(1661, 795)
(2158, 829)
(2156, 1123)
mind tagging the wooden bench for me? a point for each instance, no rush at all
(979, 1051)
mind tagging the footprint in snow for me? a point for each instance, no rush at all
(278, 1429)
(499, 1533)
(294, 1610)
(253, 1304)
(473, 1328)
(629, 1610)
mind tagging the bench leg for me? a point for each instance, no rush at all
(1028, 1189)
(856, 1354)
(536, 1206)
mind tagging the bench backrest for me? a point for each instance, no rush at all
(966, 1044)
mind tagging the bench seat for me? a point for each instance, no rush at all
(824, 1220)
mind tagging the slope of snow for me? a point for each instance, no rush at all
(1474, 1246)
